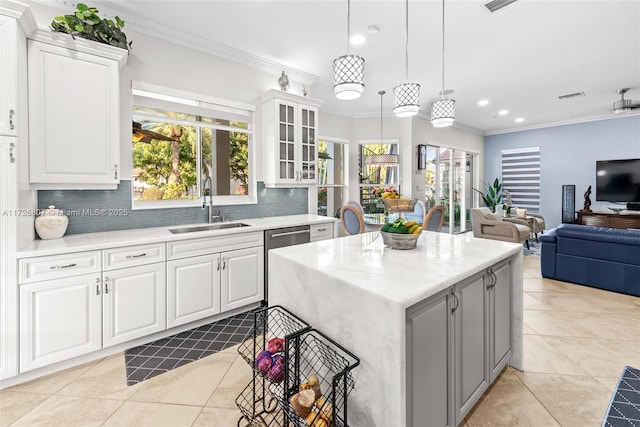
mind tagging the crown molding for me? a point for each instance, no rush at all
(212, 47)
(22, 13)
(82, 45)
(564, 122)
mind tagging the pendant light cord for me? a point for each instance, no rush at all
(348, 23)
(406, 41)
(442, 94)
(381, 93)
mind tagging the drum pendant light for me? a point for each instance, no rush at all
(443, 112)
(348, 70)
(406, 96)
(381, 159)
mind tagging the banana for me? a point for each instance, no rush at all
(410, 223)
(418, 230)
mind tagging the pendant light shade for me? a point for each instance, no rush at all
(348, 77)
(406, 97)
(381, 159)
(348, 70)
(443, 112)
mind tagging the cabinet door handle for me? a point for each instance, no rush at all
(218, 269)
(106, 285)
(136, 256)
(59, 267)
(322, 229)
(11, 125)
(224, 263)
(12, 147)
(97, 286)
(455, 297)
(115, 171)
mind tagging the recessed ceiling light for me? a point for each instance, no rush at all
(358, 39)
(519, 120)
(503, 112)
(483, 102)
(373, 29)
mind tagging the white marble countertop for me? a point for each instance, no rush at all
(139, 236)
(405, 277)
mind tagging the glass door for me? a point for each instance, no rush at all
(448, 182)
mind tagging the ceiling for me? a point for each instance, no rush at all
(519, 58)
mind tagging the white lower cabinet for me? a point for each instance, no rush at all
(133, 303)
(206, 285)
(242, 277)
(458, 342)
(59, 319)
(193, 289)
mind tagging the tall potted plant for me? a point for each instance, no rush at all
(491, 194)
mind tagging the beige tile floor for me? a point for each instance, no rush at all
(577, 340)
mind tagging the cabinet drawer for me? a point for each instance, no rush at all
(210, 245)
(130, 256)
(321, 231)
(58, 266)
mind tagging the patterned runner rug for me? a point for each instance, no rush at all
(624, 409)
(147, 361)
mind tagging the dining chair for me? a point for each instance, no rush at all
(418, 214)
(356, 205)
(352, 220)
(434, 219)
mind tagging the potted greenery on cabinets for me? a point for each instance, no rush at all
(86, 23)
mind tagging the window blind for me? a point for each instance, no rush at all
(521, 177)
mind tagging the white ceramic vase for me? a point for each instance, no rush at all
(51, 223)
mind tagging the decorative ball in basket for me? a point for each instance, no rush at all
(401, 234)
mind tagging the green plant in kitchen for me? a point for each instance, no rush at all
(492, 194)
(86, 23)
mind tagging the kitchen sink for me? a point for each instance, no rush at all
(208, 227)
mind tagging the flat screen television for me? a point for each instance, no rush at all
(618, 180)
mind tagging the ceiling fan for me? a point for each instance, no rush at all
(623, 105)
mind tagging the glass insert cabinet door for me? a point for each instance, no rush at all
(308, 145)
(287, 141)
(297, 127)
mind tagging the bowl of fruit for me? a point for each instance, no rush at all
(401, 234)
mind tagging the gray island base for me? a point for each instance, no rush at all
(432, 326)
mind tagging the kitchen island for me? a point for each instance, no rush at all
(432, 326)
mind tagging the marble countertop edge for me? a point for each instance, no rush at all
(141, 236)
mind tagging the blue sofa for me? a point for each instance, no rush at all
(606, 258)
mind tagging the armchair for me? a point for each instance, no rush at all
(487, 225)
(538, 224)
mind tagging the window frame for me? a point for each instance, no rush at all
(206, 106)
(345, 167)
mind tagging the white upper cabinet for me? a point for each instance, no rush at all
(16, 21)
(290, 132)
(74, 112)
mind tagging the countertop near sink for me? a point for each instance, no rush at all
(139, 236)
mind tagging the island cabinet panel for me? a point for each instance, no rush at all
(499, 297)
(429, 355)
(458, 342)
(471, 343)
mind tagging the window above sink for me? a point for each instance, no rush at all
(180, 139)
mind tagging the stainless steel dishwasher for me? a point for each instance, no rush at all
(279, 238)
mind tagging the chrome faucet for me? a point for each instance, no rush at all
(212, 218)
